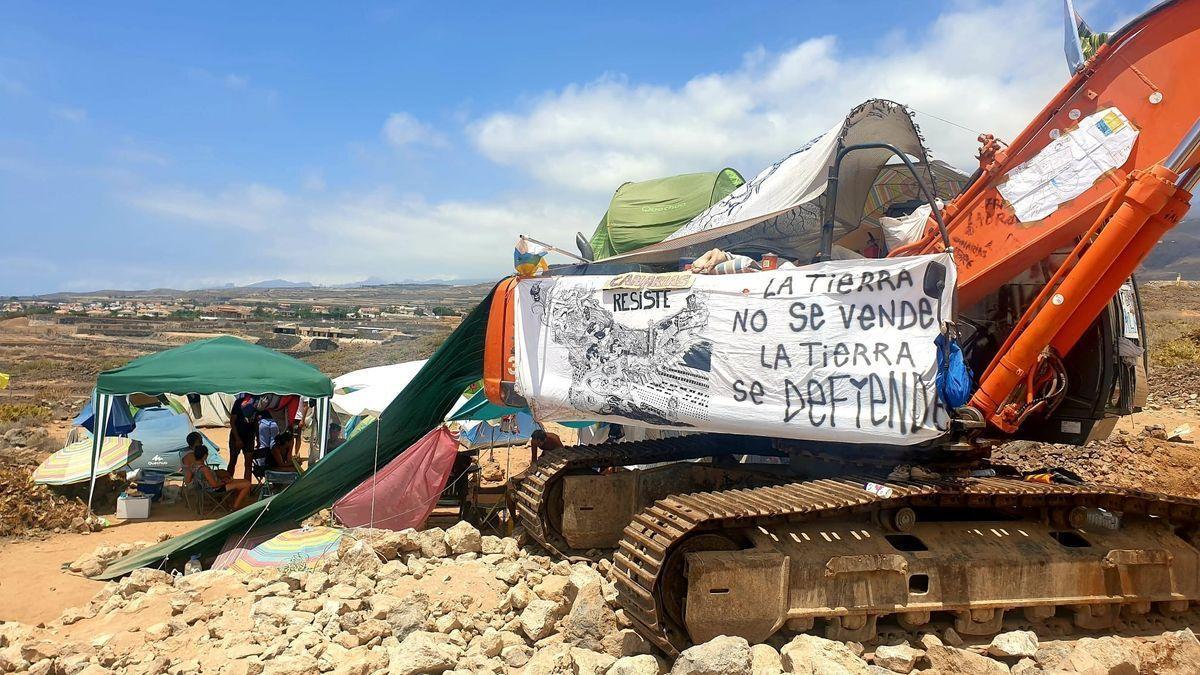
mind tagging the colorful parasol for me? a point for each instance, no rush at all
(239, 544)
(73, 463)
(294, 548)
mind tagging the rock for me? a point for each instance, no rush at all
(291, 664)
(643, 664)
(357, 558)
(158, 631)
(1173, 652)
(764, 660)
(928, 640)
(1025, 667)
(588, 662)
(556, 589)
(954, 660)
(422, 652)
(897, 658)
(518, 596)
(1110, 655)
(274, 607)
(590, 619)
(516, 656)
(809, 654)
(538, 618)
(626, 642)
(464, 538)
(411, 615)
(491, 544)
(433, 543)
(951, 637)
(722, 655)
(1016, 643)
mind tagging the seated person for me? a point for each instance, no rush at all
(280, 457)
(219, 480)
(268, 429)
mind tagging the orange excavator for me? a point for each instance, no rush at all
(746, 533)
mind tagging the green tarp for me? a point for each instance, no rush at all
(221, 365)
(645, 213)
(423, 404)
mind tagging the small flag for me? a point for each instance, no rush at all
(4, 380)
(529, 258)
(1080, 42)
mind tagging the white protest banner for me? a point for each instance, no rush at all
(840, 351)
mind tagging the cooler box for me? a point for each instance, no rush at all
(151, 483)
(133, 508)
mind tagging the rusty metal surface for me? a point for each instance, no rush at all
(881, 585)
(805, 553)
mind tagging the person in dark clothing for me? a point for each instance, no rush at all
(243, 431)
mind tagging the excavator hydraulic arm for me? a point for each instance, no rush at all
(1144, 74)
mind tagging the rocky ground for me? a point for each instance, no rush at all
(454, 601)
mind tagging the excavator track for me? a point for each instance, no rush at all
(642, 571)
(537, 485)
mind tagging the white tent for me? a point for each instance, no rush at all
(370, 390)
(782, 208)
(209, 410)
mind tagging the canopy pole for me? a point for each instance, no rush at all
(101, 404)
(323, 411)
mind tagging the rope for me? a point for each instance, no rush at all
(942, 119)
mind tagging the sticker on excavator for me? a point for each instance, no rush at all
(1069, 165)
(841, 351)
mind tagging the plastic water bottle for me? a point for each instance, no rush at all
(193, 565)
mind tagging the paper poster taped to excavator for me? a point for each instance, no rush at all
(840, 351)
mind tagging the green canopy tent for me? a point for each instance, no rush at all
(645, 213)
(419, 407)
(224, 365)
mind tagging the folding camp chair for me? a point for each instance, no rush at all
(202, 497)
(275, 482)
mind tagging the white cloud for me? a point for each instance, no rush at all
(350, 236)
(403, 130)
(597, 135)
(76, 115)
(235, 81)
(253, 206)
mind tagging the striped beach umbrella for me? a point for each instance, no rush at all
(73, 463)
(294, 548)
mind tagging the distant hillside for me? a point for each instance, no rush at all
(280, 283)
(1177, 253)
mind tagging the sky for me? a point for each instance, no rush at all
(149, 145)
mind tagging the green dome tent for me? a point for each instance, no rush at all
(647, 212)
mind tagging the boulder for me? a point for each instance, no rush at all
(422, 652)
(626, 642)
(464, 538)
(538, 618)
(1111, 655)
(491, 544)
(291, 664)
(897, 658)
(433, 543)
(643, 664)
(809, 654)
(954, 660)
(550, 660)
(722, 655)
(764, 660)
(557, 589)
(357, 558)
(1172, 653)
(588, 662)
(275, 607)
(411, 615)
(516, 656)
(590, 619)
(1016, 644)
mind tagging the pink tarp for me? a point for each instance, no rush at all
(403, 493)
